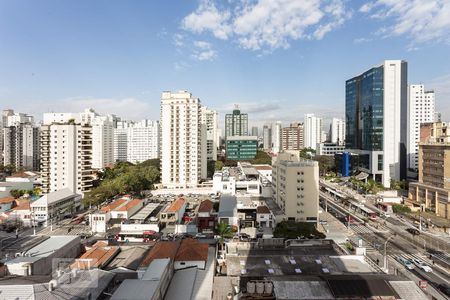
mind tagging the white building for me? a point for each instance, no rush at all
(421, 109)
(337, 131)
(121, 140)
(183, 140)
(312, 131)
(276, 137)
(329, 149)
(142, 141)
(209, 118)
(66, 157)
(54, 206)
(267, 137)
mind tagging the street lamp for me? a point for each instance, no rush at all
(385, 256)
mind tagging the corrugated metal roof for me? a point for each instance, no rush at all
(54, 197)
(17, 292)
(50, 245)
(135, 289)
(227, 206)
(156, 269)
(182, 285)
(145, 212)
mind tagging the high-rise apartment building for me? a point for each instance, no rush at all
(209, 119)
(312, 131)
(255, 131)
(376, 120)
(267, 137)
(143, 141)
(236, 123)
(276, 137)
(66, 157)
(421, 110)
(295, 183)
(121, 140)
(337, 132)
(20, 141)
(292, 137)
(183, 140)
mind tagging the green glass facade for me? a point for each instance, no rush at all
(241, 149)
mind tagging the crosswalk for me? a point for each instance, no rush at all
(363, 229)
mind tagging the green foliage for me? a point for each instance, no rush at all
(307, 153)
(292, 230)
(399, 185)
(326, 163)
(8, 169)
(262, 157)
(19, 193)
(210, 168)
(124, 178)
(400, 209)
(218, 165)
(224, 231)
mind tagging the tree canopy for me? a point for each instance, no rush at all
(124, 178)
(262, 157)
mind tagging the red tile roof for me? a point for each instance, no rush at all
(176, 205)
(22, 204)
(113, 205)
(21, 175)
(262, 210)
(263, 167)
(161, 249)
(192, 250)
(205, 206)
(129, 205)
(95, 257)
(7, 200)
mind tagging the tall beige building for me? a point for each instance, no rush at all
(66, 157)
(432, 191)
(183, 140)
(295, 184)
(292, 137)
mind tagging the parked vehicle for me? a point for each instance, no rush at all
(406, 263)
(422, 265)
(413, 231)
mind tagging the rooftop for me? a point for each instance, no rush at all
(182, 285)
(56, 196)
(156, 269)
(205, 206)
(5, 200)
(263, 167)
(162, 249)
(50, 245)
(113, 205)
(22, 204)
(96, 257)
(129, 257)
(176, 205)
(135, 289)
(129, 205)
(145, 212)
(262, 210)
(192, 250)
(227, 206)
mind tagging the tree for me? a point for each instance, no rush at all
(224, 231)
(293, 230)
(400, 209)
(210, 168)
(261, 158)
(307, 153)
(218, 165)
(326, 163)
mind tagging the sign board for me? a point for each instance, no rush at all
(423, 284)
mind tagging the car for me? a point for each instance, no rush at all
(422, 265)
(406, 263)
(200, 236)
(413, 231)
(444, 288)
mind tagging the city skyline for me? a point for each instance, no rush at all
(89, 54)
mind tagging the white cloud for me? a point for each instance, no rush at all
(422, 21)
(208, 18)
(203, 51)
(268, 24)
(128, 108)
(361, 40)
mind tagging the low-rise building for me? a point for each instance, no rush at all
(228, 213)
(329, 149)
(243, 179)
(7, 203)
(127, 209)
(54, 205)
(206, 218)
(39, 259)
(191, 253)
(264, 217)
(22, 212)
(97, 256)
(173, 214)
(7, 187)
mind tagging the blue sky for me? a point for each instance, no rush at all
(278, 59)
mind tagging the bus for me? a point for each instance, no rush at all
(137, 237)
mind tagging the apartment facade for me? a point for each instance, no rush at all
(312, 131)
(276, 137)
(295, 183)
(236, 123)
(241, 147)
(21, 146)
(292, 137)
(421, 109)
(183, 140)
(121, 140)
(376, 120)
(66, 157)
(209, 119)
(267, 137)
(143, 141)
(337, 131)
